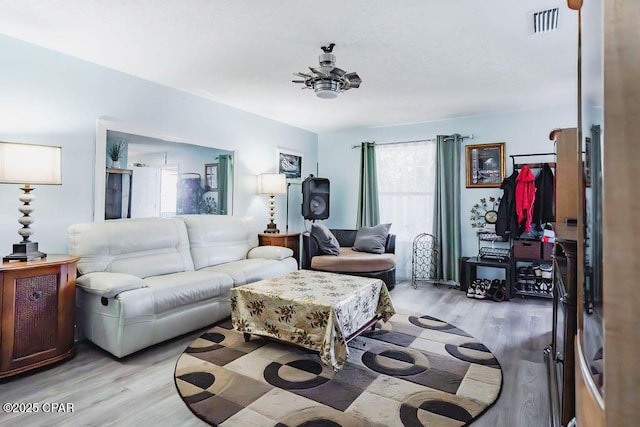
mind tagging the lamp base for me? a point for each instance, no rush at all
(25, 251)
(272, 228)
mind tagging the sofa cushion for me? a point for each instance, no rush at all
(109, 284)
(217, 239)
(372, 239)
(141, 247)
(251, 270)
(178, 290)
(327, 242)
(350, 261)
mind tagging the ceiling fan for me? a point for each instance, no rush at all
(328, 81)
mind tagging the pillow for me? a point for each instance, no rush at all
(372, 239)
(327, 242)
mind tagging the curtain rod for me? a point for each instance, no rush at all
(417, 140)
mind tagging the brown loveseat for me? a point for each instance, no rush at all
(348, 261)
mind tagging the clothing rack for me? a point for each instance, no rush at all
(517, 166)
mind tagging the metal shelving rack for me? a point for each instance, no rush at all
(492, 251)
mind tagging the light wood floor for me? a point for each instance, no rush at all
(139, 390)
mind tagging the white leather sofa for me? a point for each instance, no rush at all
(143, 281)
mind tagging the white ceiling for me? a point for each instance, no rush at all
(420, 60)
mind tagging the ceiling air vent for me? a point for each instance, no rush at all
(545, 21)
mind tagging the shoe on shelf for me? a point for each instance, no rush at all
(537, 271)
(481, 289)
(471, 290)
(502, 289)
(494, 287)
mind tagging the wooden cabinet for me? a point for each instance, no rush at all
(287, 240)
(37, 303)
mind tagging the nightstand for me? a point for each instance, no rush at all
(287, 240)
(37, 303)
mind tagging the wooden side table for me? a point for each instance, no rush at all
(37, 302)
(287, 240)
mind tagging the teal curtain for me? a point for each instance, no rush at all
(224, 180)
(368, 205)
(446, 221)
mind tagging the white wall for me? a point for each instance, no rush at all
(49, 98)
(523, 132)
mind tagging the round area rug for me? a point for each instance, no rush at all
(411, 371)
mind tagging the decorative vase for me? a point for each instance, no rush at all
(116, 164)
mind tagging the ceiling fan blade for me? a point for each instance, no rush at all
(337, 71)
(318, 72)
(298, 81)
(306, 76)
(353, 79)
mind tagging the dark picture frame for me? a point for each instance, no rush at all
(290, 164)
(211, 176)
(485, 165)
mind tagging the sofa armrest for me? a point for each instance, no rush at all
(109, 285)
(277, 253)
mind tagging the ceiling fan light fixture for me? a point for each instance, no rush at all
(327, 81)
(326, 89)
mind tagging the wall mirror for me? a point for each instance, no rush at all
(139, 173)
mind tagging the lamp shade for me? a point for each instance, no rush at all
(30, 164)
(272, 183)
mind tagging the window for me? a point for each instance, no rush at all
(406, 184)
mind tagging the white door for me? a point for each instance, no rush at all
(145, 192)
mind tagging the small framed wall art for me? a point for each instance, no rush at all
(485, 165)
(290, 164)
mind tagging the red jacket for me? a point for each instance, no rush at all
(525, 196)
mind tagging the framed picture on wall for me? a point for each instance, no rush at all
(485, 165)
(211, 176)
(290, 164)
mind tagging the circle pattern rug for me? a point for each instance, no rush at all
(414, 370)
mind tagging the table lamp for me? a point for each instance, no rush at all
(28, 164)
(272, 184)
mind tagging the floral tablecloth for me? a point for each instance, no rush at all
(312, 309)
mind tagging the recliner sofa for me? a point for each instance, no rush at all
(143, 281)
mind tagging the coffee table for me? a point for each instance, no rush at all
(316, 310)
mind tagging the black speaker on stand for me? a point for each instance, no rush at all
(315, 198)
